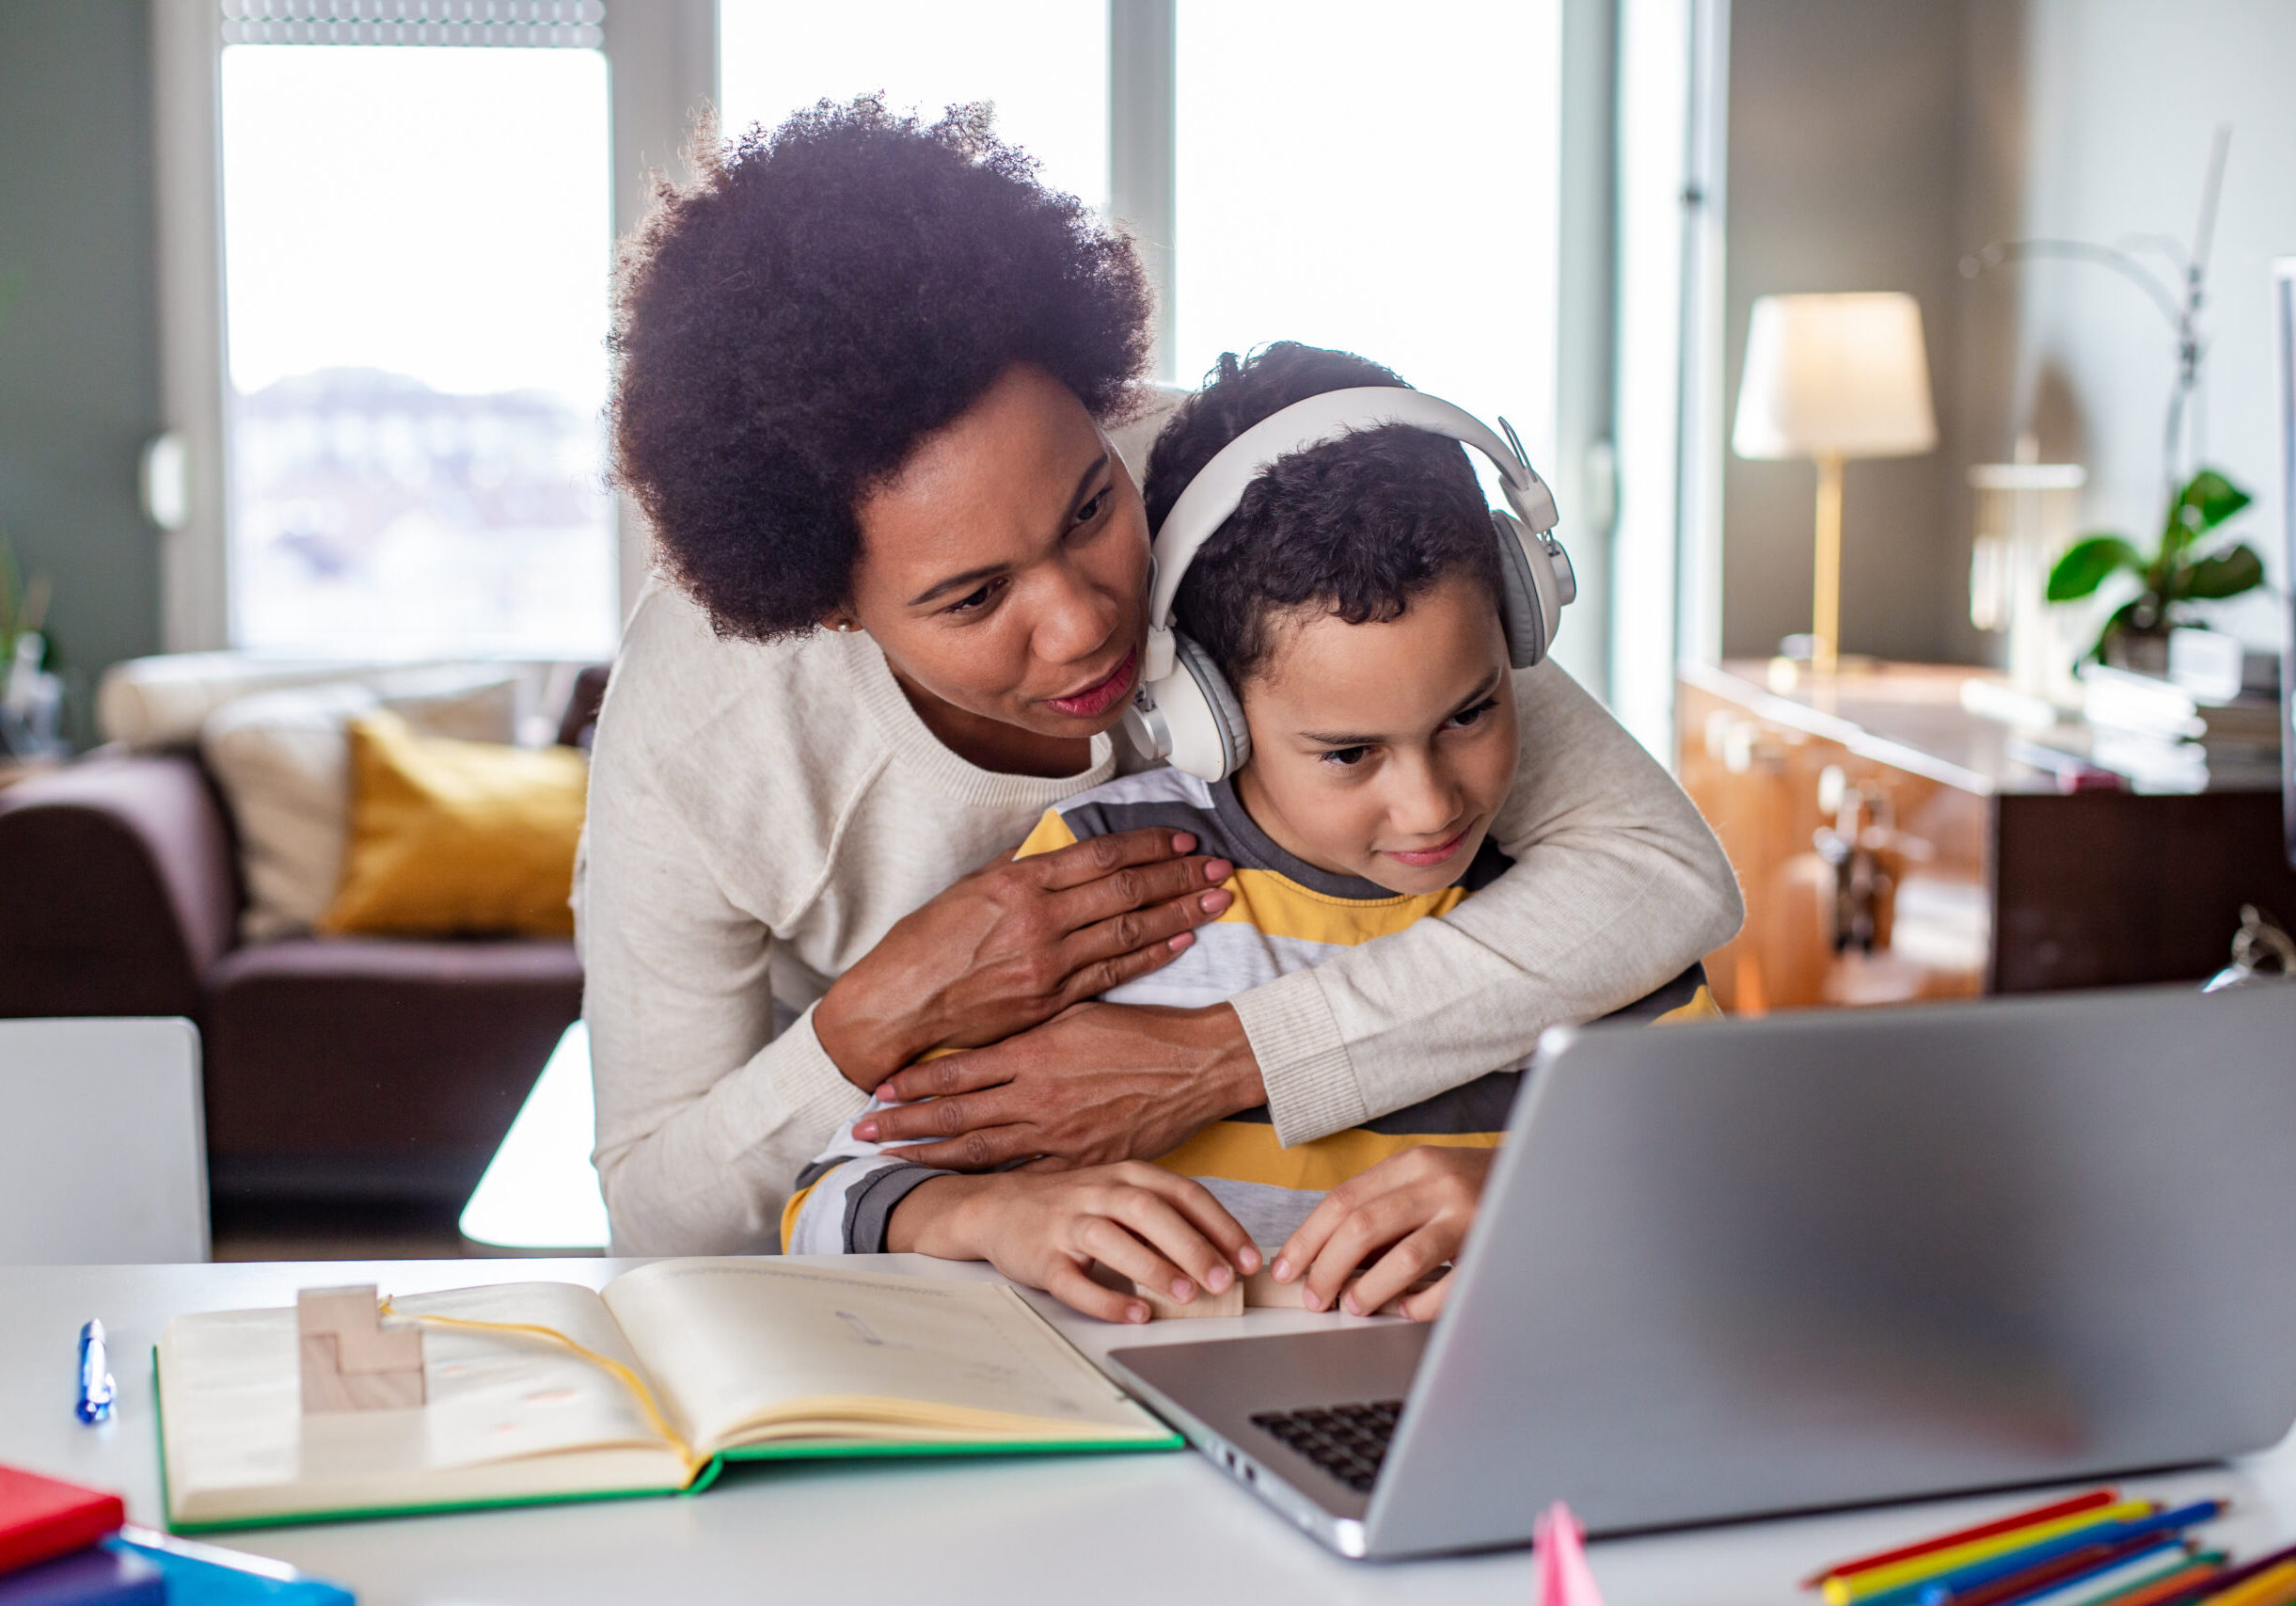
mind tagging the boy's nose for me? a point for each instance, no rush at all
(1424, 805)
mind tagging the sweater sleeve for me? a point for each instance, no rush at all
(696, 1149)
(844, 1200)
(1617, 886)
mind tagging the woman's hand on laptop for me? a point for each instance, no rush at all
(1415, 1207)
(1046, 1228)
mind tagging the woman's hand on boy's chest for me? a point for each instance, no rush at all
(1098, 1084)
(1013, 944)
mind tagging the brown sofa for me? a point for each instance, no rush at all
(336, 1067)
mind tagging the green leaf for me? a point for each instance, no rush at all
(2087, 563)
(2206, 500)
(2224, 574)
(2121, 618)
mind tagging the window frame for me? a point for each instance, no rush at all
(663, 64)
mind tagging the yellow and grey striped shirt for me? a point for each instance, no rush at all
(1287, 916)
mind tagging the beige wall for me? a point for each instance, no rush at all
(1874, 143)
(2121, 98)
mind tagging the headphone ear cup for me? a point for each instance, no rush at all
(1209, 739)
(1520, 611)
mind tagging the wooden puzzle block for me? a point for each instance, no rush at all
(1258, 1292)
(1261, 1291)
(350, 1358)
(1164, 1308)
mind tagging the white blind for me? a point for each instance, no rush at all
(526, 24)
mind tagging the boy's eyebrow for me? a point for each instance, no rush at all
(989, 571)
(1320, 739)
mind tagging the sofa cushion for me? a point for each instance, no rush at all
(375, 1066)
(117, 888)
(450, 837)
(283, 760)
(148, 704)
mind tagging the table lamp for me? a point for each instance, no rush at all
(1832, 377)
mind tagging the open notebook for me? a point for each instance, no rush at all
(725, 1358)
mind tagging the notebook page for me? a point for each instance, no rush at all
(738, 1342)
(502, 1412)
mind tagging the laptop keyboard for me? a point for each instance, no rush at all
(1347, 1441)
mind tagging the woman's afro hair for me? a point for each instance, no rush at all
(790, 324)
(1358, 527)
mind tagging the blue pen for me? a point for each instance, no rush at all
(1944, 1586)
(96, 1388)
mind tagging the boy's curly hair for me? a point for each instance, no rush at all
(789, 325)
(1357, 527)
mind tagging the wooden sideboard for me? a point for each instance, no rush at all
(1893, 846)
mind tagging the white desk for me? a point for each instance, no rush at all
(1105, 1530)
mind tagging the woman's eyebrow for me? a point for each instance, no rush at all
(1083, 480)
(989, 571)
(969, 578)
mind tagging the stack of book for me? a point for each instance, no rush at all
(2167, 736)
(62, 1545)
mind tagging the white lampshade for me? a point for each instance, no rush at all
(1835, 376)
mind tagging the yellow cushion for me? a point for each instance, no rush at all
(451, 836)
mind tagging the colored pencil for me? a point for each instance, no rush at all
(1999, 1525)
(2273, 1587)
(2209, 1564)
(1986, 1569)
(2231, 1576)
(2116, 1578)
(2041, 1575)
(2094, 1523)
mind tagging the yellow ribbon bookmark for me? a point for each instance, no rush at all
(628, 1379)
(1843, 1588)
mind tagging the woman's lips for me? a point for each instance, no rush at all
(1101, 696)
(1426, 859)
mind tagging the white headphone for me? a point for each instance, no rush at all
(1184, 711)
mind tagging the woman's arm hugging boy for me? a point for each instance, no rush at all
(1352, 602)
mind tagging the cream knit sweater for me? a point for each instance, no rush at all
(760, 817)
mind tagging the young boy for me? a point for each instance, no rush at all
(1352, 602)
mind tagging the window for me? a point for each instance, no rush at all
(416, 244)
(1044, 62)
(1378, 177)
(418, 220)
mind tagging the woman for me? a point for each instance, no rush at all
(866, 371)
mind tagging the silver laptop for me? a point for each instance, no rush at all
(1748, 1268)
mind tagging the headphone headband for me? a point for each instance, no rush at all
(1211, 495)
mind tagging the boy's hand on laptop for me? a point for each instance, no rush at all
(1045, 1229)
(1416, 1206)
(1014, 944)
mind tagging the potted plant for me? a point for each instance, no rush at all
(29, 696)
(2185, 568)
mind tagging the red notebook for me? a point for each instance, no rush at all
(41, 1518)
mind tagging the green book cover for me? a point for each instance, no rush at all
(545, 1400)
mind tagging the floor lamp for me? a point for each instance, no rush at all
(1832, 377)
